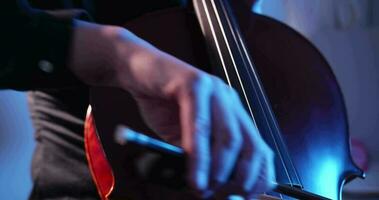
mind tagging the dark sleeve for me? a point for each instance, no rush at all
(34, 47)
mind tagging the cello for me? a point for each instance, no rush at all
(284, 82)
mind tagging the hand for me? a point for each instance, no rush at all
(182, 104)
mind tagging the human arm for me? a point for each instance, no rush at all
(182, 104)
(112, 56)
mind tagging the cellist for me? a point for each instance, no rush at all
(56, 55)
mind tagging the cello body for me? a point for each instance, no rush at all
(299, 83)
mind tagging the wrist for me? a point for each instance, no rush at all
(92, 53)
(136, 61)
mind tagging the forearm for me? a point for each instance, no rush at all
(95, 56)
(180, 103)
(105, 55)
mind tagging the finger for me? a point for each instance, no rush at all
(252, 155)
(248, 171)
(270, 175)
(245, 176)
(266, 170)
(227, 137)
(267, 153)
(266, 180)
(255, 171)
(196, 127)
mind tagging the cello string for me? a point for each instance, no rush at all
(225, 69)
(216, 42)
(280, 195)
(242, 85)
(243, 89)
(246, 99)
(234, 63)
(265, 100)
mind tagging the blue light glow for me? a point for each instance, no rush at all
(328, 177)
(235, 197)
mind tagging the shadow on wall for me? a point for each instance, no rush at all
(16, 146)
